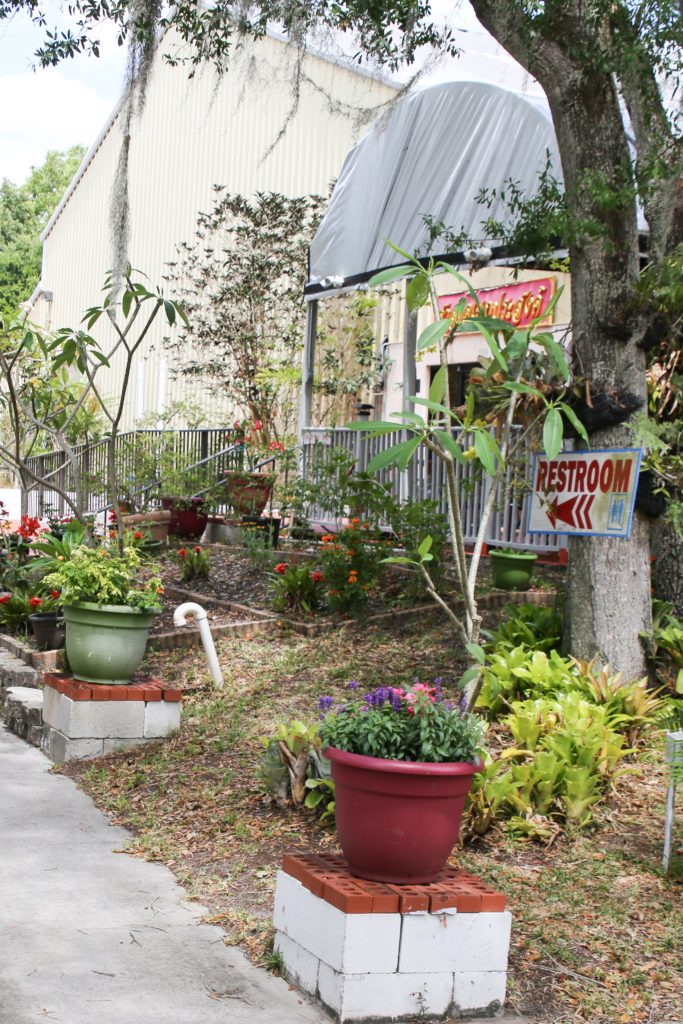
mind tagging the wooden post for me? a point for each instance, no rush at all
(307, 373)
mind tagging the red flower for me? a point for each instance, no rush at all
(280, 568)
(181, 552)
(257, 424)
(55, 594)
(30, 525)
(35, 602)
(112, 516)
(316, 576)
(5, 598)
(198, 549)
(138, 535)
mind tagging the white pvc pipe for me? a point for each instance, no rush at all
(195, 611)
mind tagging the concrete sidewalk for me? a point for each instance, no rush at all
(90, 936)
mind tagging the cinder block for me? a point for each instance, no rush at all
(384, 996)
(59, 747)
(161, 718)
(479, 990)
(86, 718)
(454, 942)
(301, 967)
(346, 942)
(112, 746)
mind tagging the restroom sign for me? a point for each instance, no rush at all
(585, 493)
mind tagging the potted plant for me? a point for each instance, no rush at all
(402, 762)
(512, 569)
(249, 490)
(109, 606)
(47, 620)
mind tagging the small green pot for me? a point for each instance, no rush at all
(512, 569)
(105, 644)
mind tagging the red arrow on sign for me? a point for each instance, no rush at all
(574, 511)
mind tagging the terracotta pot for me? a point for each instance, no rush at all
(189, 516)
(248, 493)
(398, 821)
(155, 523)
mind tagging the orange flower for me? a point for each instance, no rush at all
(182, 552)
(355, 522)
(138, 535)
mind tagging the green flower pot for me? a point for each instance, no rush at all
(512, 569)
(105, 644)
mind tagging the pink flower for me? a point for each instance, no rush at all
(257, 424)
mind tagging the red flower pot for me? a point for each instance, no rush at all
(189, 516)
(398, 821)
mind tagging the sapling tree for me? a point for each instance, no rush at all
(510, 385)
(43, 400)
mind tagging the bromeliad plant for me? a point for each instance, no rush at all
(511, 387)
(401, 724)
(297, 588)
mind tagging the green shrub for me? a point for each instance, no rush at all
(533, 625)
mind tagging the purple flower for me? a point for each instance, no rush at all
(354, 684)
(325, 703)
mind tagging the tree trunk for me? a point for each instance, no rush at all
(609, 580)
(667, 548)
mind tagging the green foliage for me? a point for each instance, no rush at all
(666, 645)
(97, 575)
(320, 797)
(194, 563)
(413, 724)
(259, 547)
(537, 626)
(351, 564)
(413, 521)
(55, 549)
(297, 588)
(291, 756)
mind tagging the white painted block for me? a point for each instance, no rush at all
(330, 988)
(112, 746)
(386, 996)
(162, 717)
(459, 942)
(479, 990)
(79, 719)
(346, 942)
(300, 966)
(60, 748)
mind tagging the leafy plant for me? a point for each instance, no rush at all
(320, 797)
(194, 563)
(291, 756)
(414, 724)
(98, 576)
(351, 563)
(297, 588)
(532, 625)
(666, 644)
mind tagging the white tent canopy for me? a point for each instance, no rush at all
(431, 154)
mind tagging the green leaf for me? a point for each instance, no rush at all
(467, 677)
(487, 451)
(403, 253)
(389, 275)
(425, 546)
(574, 420)
(552, 433)
(549, 308)
(493, 345)
(463, 280)
(409, 417)
(555, 352)
(437, 389)
(392, 455)
(399, 560)
(372, 426)
(432, 334)
(517, 345)
(409, 450)
(126, 303)
(417, 292)
(523, 389)
(451, 446)
(433, 406)
(169, 309)
(476, 652)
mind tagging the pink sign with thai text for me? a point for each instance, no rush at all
(518, 303)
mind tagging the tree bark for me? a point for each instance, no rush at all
(608, 601)
(667, 577)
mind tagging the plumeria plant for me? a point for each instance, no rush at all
(414, 723)
(511, 387)
(194, 563)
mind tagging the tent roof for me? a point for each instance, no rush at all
(431, 154)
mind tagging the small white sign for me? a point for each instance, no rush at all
(585, 493)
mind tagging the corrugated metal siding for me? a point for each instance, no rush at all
(194, 134)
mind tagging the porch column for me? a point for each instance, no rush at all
(409, 478)
(307, 368)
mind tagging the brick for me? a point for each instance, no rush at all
(384, 899)
(172, 695)
(442, 897)
(346, 895)
(456, 942)
(100, 693)
(349, 942)
(482, 991)
(116, 692)
(493, 902)
(76, 690)
(411, 898)
(137, 691)
(301, 967)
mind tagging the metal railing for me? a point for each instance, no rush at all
(425, 479)
(203, 448)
